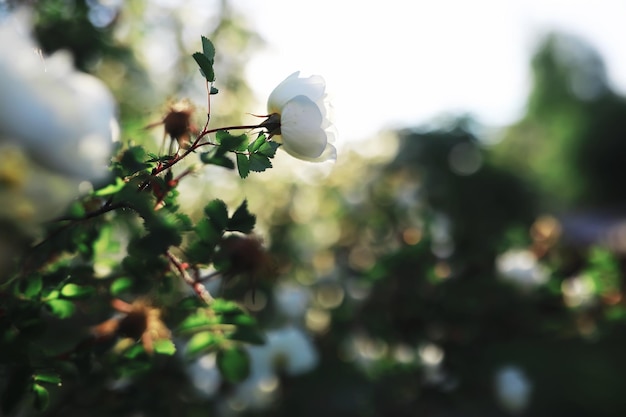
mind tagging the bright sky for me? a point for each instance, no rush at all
(397, 63)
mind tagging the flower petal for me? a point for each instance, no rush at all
(301, 128)
(312, 87)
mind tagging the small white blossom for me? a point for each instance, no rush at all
(305, 131)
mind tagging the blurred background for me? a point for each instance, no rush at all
(465, 254)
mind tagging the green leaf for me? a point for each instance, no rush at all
(61, 308)
(242, 220)
(217, 212)
(110, 189)
(222, 306)
(230, 142)
(132, 160)
(208, 49)
(47, 377)
(135, 351)
(164, 347)
(30, 286)
(76, 210)
(214, 90)
(208, 231)
(121, 285)
(243, 165)
(200, 252)
(197, 321)
(200, 343)
(259, 163)
(234, 364)
(42, 397)
(256, 144)
(268, 148)
(76, 291)
(239, 319)
(206, 66)
(212, 158)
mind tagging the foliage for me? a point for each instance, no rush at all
(397, 263)
(129, 247)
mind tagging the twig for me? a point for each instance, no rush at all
(196, 285)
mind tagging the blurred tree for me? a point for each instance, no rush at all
(571, 142)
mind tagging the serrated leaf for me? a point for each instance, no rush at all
(268, 148)
(243, 165)
(230, 142)
(217, 212)
(121, 285)
(164, 347)
(47, 377)
(206, 66)
(42, 397)
(242, 220)
(76, 291)
(208, 49)
(61, 308)
(208, 231)
(259, 163)
(132, 160)
(200, 343)
(234, 364)
(218, 158)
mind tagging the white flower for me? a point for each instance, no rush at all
(512, 389)
(57, 127)
(63, 119)
(305, 131)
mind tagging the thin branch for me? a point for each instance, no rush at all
(197, 286)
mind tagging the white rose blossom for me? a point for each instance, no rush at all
(301, 108)
(57, 124)
(63, 118)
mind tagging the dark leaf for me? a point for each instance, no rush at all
(208, 49)
(206, 66)
(259, 163)
(242, 220)
(243, 165)
(217, 212)
(234, 364)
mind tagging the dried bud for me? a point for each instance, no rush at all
(141, 321)
(177, 123)
(244, 255)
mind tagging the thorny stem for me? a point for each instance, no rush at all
(196, 285)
